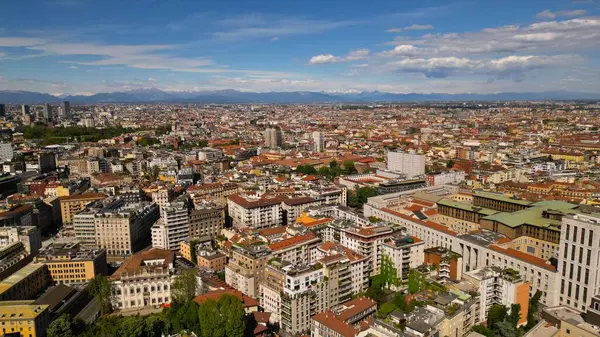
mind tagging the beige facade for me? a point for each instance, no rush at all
(75, 203)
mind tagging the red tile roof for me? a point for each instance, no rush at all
(292, 241)
(524, 257)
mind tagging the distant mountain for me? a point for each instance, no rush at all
(234, 96)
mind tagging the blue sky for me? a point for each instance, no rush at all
(90, 46)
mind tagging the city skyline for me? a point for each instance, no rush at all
(86, 47)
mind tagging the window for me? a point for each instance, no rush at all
(590, 238)
(589, 257)
(582, 236)
(574, 234)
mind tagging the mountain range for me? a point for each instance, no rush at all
(153, 95)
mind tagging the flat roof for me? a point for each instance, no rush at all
(534, 215)
(502, 197)
(19, 275)
(467, 207)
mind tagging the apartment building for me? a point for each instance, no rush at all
(211, 259)
(343, 320)
(245, 269)
(12, 257)
(71, 263)
(255, 212)
(85, 221)
(208, 221)
(217, 192)
(359, 266)
(299, 249)
(24, 318)
(144, 279)
(412, 165)
(366, 241)
(74, 203)
(125, 230)
(448, 264)
(500, 286)
(579, 260)
(401, 253)
(173, 226)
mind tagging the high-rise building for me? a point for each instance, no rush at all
(25, 110)
(6, 152)
(173, 227)
(579, 259)
(2, 110)
(412, 165)
(47, 113)
(318, 141)
(66, 109)
(273, 138)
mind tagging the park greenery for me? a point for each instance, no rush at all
(358, 197)
(329, 172)
(58, 135)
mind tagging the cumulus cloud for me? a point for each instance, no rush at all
(550, 15)
(354, 55)
(413, 27)
(514, 67)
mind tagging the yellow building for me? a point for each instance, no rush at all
(24, 317)
(185, 250)
(69, 263)
(72, 204)
(25, 283)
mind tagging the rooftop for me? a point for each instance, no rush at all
(20, 310)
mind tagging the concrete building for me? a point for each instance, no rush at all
(448, 264)
(173, 226)
(207, 221)
(299, 249)
(318, 141)
(66, 110)
(48, 114)
(30, 236)
(144, 279)
(211, 259)
(25, 284)
(245, 269)
(255, 212)
(500, 286)
(125, 230)
(401, 253)
(412, 165)
(24, 318)
(446, 177)
(72, 204)
(6, 152)
(273, 138)
(84, 222)
(343, 320)
(579, 260)
(210, 155)
(71, 263)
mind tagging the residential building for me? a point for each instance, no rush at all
(255, 212)
(125, 230)
(71, 263)
(207, 221)
(6, 152)
(299, 249)
(401, 253)
(72, 204)
(28, 235)
(24, 318)
(211, 259)
(366, 241)
(144, 279)
(173, 226)
(500, 286)
(86, 220)
(448, 264)
(210, 155)
(445, 177)
(343, 320)
(245, 269)
(66, 109)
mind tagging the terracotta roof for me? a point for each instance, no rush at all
(272, 231)
(216, 294)
(429, 224)
(238, 199)
(355, 307)
(135, 262)
(329, 320)
(524, 257)
(292, 241)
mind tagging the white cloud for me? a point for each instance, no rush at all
(414, 27)
(73, 67)
(274, 38)
(549, 15)
(324, 58)
(355, 55)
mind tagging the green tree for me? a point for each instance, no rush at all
(515, 314)
(185, 286)
(333, 164)
(154, 325)
(386, 309)
(132, 327)
(61, 327)
(306, 169)
(450, 163)
(416, 281)
(211, 321)
(399, 301)
(189, 316)
(534, 303)
(349, 167)
(233, 313)
(102, 289)
(496, 314)
(482, 329)
(506, 329)
(389, 272)
(324, 171)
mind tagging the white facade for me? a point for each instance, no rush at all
(318, 141)
(254, 214)
(413, 165)
(6, 152)
(579, 259)
(443, 178)
(404, 253)
(172, 228)
(210, 155)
